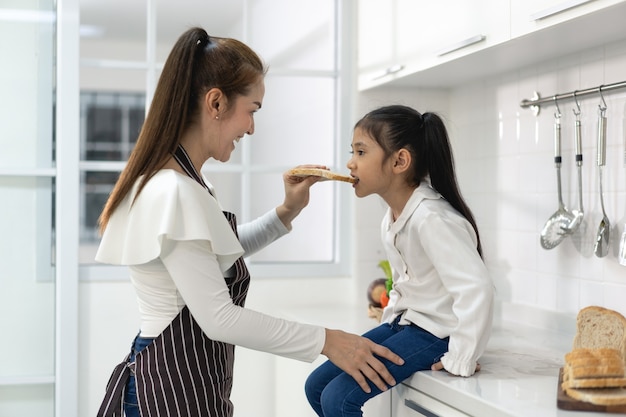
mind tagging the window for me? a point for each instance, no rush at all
(299, 123)
(110, 123)
(28, 379)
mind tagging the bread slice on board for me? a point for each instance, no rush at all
(599, 396)
(323, 173)
(599, 327)
(594, 383)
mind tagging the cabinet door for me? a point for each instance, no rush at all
(400, 37)
(531, 15)
(428, 33)
(375, 35)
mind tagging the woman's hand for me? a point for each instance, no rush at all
(296, 195)
(355, 356)
(439, 367)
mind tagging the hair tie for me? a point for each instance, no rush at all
(422, 120)
(203, 40)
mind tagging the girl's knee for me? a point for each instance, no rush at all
(337, 402)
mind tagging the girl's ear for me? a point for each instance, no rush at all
(214, 102)
(402, 161)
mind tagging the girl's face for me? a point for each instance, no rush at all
(368, 165)
(238, 121)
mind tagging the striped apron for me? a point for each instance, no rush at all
(182, 373)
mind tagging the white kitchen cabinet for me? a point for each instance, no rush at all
(450, 42)
(531, 15)
(431, 32)
(408, 402)
(376, 35)
(402, 36)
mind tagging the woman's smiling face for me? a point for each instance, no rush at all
(238, 121)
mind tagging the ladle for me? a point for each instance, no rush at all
(601, 247)
(556, 228)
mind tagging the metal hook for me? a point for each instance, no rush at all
(602, 106)
(557, 114)
(576, 112)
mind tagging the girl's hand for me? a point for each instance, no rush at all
(439, 366)
(296, 194)
(355, 355)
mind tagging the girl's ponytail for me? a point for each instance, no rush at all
(440, 162)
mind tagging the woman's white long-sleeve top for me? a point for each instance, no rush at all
(179, 246)
(441, 284)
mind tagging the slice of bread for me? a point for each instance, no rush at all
(584, 353)
(599, 327)
(599, 396)
(323, 173)
(615, 370)
(594, 383)
(593, 363)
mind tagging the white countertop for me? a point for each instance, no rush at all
(519, 370)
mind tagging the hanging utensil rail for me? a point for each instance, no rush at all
(536, 102)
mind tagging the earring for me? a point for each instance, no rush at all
(217, 117)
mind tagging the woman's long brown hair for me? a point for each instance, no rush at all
(197, 63)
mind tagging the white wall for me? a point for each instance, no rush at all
(504, 157)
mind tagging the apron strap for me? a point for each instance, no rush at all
(113, 403)
(182, 157)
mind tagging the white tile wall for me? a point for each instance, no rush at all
(504, 157)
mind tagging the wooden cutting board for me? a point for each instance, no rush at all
(565, 402)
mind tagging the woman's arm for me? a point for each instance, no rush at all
(259, 233)
(197, 276)
(199, 280)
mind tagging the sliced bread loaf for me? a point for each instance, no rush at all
(595, 370)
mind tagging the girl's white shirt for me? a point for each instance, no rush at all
(179, 246)
(440, 282)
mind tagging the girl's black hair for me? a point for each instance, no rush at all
(426, 138)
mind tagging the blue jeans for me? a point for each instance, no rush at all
(333, 393)
(131, 407)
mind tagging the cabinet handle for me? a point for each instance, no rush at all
(463, 44)
(416, 407)
(391, 70)
(557, 8)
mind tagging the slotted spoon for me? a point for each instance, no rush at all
(556, 228)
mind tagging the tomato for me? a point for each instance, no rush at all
(384, 299)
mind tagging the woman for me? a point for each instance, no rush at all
(185, 255)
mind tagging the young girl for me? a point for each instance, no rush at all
(440, 309)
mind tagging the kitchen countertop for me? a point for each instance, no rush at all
(519, 369)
